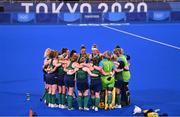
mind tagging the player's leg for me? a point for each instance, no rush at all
(59, 96)
(125, 94)
(109, 95)
(118, 85)
(53, 98)
(70, 98)
(97, 90)
(79, 100)
(63, 96)
(97, 100)
(86, 99)
(92, 98)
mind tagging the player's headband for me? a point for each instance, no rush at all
(94, 49)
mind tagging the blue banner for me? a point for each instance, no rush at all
(159, 15)
(69, 17)
(23, 17)
(114, 17)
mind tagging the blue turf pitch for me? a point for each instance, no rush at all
(155, 68)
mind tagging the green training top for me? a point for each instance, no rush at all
(123, 58)
(61, 71)
(95, 72)
(97, 60)
(107, 65)
(125, 74)
(86, 56)
(81, 74)
(118, 76)
(70, 66)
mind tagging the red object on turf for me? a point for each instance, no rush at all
(30, 113)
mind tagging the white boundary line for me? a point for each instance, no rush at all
(141, 37)
(93, 24)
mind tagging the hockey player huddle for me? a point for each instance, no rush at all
(101, 79)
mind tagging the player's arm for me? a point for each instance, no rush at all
(46, 62)
(126, 67)
(62, 61)
(55, 63)
(118, 69)
(113, 70)
(89, 72)
(91, 67)
(116, 64)
(65, 66)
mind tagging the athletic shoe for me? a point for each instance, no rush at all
(60, 106)
(119, 106)
(54, 106)
(49, 105)
(110, 106)
(93, 107)
(80, 108)
(86, 109)
(63, 107)
(96, 109)
(45, 101)
(70, 109)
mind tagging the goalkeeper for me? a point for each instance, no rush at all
(107, 67)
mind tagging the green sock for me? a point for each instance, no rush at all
(109, 99)
(53, 99)
(118, 98)
(79, 100)
(46, 95)
(86, 99)
(97, 100)
(102, 96)
(59, 98)
(63, 96)
(93, 100)
(70, 101)
(49, 98)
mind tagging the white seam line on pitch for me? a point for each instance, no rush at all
(141, 37)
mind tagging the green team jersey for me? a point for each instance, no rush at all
(61, 71)
(51, 64)
(70, 66)
(86, 56)
(97, 59)
(125, 74)
(118, 76)
(95, 72)
(81, 75)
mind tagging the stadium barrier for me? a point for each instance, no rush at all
(156, 12)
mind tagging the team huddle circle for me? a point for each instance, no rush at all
(96, 81)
